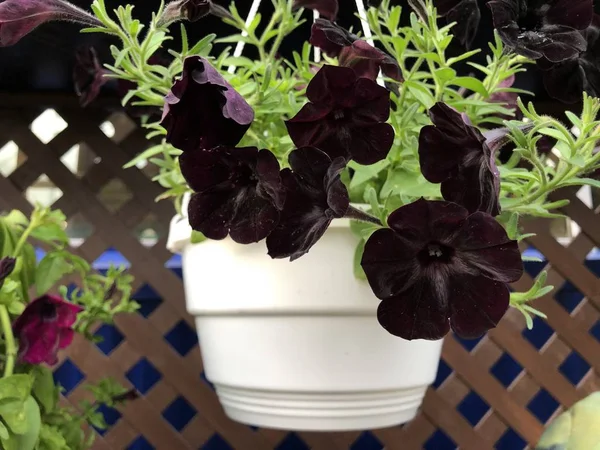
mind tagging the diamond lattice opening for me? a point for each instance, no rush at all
(48, 125)
(118, 126)
(11, 158)
(149, 231)
(43, 192)
(114, 195)
(78, 229)
(79, 159)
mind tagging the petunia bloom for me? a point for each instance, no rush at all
(88, 75)
(203, 110)
(19, 17)
(238, 192)
(191, 10)
(315, 195)
(548, 29)
(566, 81)
(357, 54)
(465, 13)
(459, 157)
(326, 8)
(345, 116)
(44, 328)
(437, 267)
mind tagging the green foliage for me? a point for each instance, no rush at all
(29, 413)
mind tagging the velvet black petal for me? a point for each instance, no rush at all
(315, 195)
(437, 266)
(326, 8)
(330, 37)
(238, 192)
(367, 61)
(88, 75)
(457, 155)
(543, 29)
(477, 304)
(465, 13)
(345, 117)
(203, 110)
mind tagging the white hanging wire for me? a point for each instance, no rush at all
(317, 49)
(239, 48)
(362, 14)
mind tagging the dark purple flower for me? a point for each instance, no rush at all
(566, 81)
(88, 75)
(238, 192)
(437, 267)
(7, 265)
(361, 56)
(315, 195)
(459, 157)
(326, 8)
(465, 13)
(191, 10)
(543, 28)
(19, 17)
(507, 99)
(203, 110)
(345, 117)
(44, 328)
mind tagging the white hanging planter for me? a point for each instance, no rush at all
(297, 345)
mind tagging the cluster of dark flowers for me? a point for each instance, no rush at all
(438, 265)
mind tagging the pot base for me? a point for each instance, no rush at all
(312, 411)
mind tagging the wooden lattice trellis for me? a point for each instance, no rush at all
(497, 392)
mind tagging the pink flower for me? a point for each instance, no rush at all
(44, 328)
(19, 17)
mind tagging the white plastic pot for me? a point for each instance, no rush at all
(297, 345)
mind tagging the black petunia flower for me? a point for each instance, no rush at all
(88, 75)
(543, 28)
(238, 192)
(7, 265)
(192, 11)
(326, 8)
(459, 157)
(465, 13)
(362, 57)
(566, 81)
(437, 267)
(203, 110)
(345, 117)
(315, 195)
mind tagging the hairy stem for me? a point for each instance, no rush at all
(357, 214)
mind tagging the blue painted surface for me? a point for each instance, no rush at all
(144, 375)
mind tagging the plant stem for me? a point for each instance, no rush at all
(357, 214)
(9, 342)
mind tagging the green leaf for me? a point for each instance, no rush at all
(16, 387)
(359, 273)
(363, 174)
(147, 154)
(32, 424)
(197, 237)
(10, 443)
(582, 181)
(473, 84)
(408, 183)
(371, 198)
(50, 232)
(512, 226)
(50, 270)
(43, 388)
(3, 432)
(445, 74)
(16, 217)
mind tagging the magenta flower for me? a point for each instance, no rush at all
(326, 8)
(88, 75)
(19, 17)
(44, 328)
(437, 267)
(238, 192)
(203, 110)
(359, 55)
(315, 196)
(544, 28)
(459, 157)
(345, 117)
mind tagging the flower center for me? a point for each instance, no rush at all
(434, 252)
(48, 312)
(339, 114)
